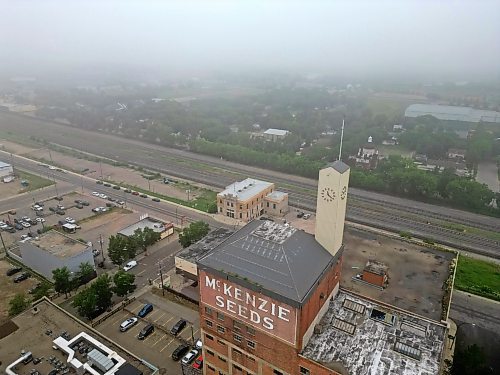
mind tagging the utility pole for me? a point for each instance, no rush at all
(149, 184)
(160, 265)
(101, 241)
(100, 165)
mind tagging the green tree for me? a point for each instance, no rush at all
(144, 238)
(18, 304)
(124, 283)
(86, 302)
(195, 232)
(42, 290)
(469, 194)
(103, 292)
(85, 273)
(121, 248)
(62, 280)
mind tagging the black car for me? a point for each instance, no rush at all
(60, 212)
(18, 226)
(17, 221)
(99, 182)
(53, 209)
(13, 271)
(79, 206)
(10, 229)
(146, 331)
(85, 203)
(300, 214)
(41, 204)
(116, 187)
(127, 191)
(58, 198)
(156, 199)
(180, 351)
(21, 277)
(178, 327)
(107, 184)
(143, 196)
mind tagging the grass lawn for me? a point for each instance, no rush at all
(387, 150)
(478, 277)
(35, 182)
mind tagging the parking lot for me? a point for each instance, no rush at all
(157, 348)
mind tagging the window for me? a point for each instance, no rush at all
(237, 325)
(237, 338)
(220, 316)
(209, 323)
(209, 337)
(251, 344)
(250, 358)
(222, 358)
(241, 215)
(236, 351)
(277, 372)
(220, 209)
(232, 205)
(267, 204)
(251, 331)
(274, 205)
(209, 352)
(227, 204)
(220, 342)
(241, 206)
(220, 200)
(211, 368)
(221, 329)
(208, 310)
(304, 371)
(237, 368)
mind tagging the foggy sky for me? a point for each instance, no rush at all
(453, 38)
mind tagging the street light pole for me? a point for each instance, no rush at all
(161, 278)
(101, 241)
(4, 247)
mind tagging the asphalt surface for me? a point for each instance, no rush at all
(384, 211)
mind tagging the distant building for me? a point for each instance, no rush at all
(165, 229)
(6, 170)
(375, 273)
(55, 250)
(250, 198)
(367, 156)
(452, 113)
(397, 128)
(275, 134)
(457, 154)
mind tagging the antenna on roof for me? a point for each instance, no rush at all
(341, 139)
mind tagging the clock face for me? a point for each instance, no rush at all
(343, 194)
(328, 194)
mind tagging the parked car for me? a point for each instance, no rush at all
(180, 351)
(127, 191)
(116, 187)
(40, 220)
(121, 203)
(95, 252)
(146, 309)
(156, 199)
(130, 265)
(60, 211)
(146, 331)
(130, 322)
(198, 344)
(188, 358)
(53, 209)
(79, 206)
(143, 196)
(10, 229)
(99, 182)
(84, 203)
(135, 193)
(198, 363)
(13, 271)
(178, 327)
(58, 198)
(41, 204)
(95, 193)
(21, 277)
(300, 214)
(70, 220)
(103, 196)
(25, 224)
(18, 226)
(306, 216)
(107, 184)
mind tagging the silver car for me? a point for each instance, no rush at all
(129, 323)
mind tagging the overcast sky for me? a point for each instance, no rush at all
(455, 38)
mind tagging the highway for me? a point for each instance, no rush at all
(422, 220)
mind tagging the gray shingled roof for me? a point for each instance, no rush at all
(282, 262)
(339, 166)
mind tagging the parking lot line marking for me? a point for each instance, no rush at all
(140, 273)
(161, 316)
(138, 308)
(150, 316)
(164, 324)
(161, 338)
(195, 332)
(166, 345)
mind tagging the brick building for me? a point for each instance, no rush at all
(250, 198)
(271, 303)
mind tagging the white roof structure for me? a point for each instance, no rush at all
(278, 132)
(242, 190)
(4, 165)
(452, 113)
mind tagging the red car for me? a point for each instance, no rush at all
(199, 362)
(135, 193)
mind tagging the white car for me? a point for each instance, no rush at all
(188, 358)
(103, 196)
(36, 207)
(70, 220)
(40, 219)
(25, 224)
(199, 344)
(130, 265)
(130, 322)
(95, 193)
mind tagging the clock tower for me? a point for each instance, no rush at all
(331, 205)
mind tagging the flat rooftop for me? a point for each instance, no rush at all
(416, 273)
(59, 244)
(276, 195)
(31, 336)
(4, 165)
(359, 336)
(272, 131)
(279, 260)
(155, 225)
(243, 190)
(206, 244)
